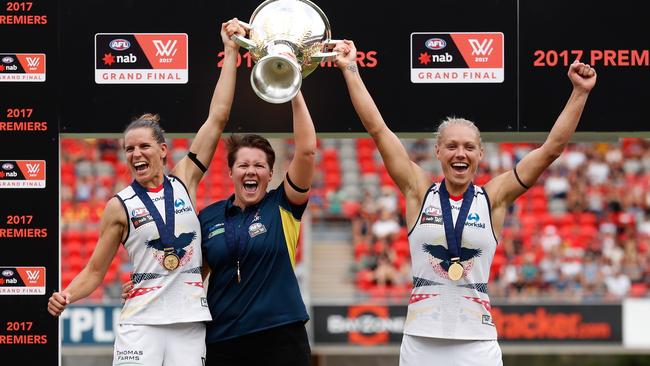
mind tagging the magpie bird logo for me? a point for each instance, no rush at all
(440, 259)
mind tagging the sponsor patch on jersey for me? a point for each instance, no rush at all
(487, 319)
(204, 302)
(474, 220)
(431, 215)
(256, 229)
(215, 230)
(139, 221)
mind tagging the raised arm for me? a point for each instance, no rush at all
(112, 228)
(301, 168)
(206, 140)
(505, 188)
(410, 178)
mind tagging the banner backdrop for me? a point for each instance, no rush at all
(501, 63)
(373, 325)
(29, 181)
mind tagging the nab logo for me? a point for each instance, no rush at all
(179, 203)
(33, 276)
(435, 44)
(33, 62)
(33, 169)
(167, 49)
(473, 217)
(119, 44)
(481, 48)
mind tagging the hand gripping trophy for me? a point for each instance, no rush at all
(277, 30)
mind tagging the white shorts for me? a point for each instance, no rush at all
(425, 351)
(181, 344)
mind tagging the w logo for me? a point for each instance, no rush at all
(165, 49)
(481, 48)
(33, 168)
(33, 62)
(33, 276)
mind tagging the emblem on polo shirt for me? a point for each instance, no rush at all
(256, 229)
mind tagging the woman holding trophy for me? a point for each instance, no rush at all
(448, 320)
(161, 322)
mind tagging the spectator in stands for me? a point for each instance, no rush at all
(162, 319)
(250, 242)
(458, 268)
(618, 284)
(386, 226)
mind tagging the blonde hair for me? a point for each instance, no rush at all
(455, 121)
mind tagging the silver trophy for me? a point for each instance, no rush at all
(277, 30)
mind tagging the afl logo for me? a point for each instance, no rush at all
(119, 44)
(432, 211)
(7, 60)
(7, 273)
(7, 166)
(435, 44)
(139, 212)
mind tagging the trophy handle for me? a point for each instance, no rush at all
(323, 57)
(243, 41)
(329, 55)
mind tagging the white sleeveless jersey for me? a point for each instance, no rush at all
(440, 307)
(161, 296)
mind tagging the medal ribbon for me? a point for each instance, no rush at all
(165, 228)
(453, 234)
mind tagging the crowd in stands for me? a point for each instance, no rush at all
(581, 233)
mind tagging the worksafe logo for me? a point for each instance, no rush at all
(457, 57)
(22, 281)
(22, 174)
(141, 58)
(22, 67)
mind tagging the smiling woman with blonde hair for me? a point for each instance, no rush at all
(455, 225)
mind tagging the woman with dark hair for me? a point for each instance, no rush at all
(250, 242)
(455, 225)
(162, 319)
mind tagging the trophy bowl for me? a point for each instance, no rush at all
(288, 39)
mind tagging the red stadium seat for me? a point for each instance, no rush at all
(638, 290)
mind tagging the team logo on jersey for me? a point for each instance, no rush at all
(182, 247)
(256, 229)
(440, 260)
(215, 230)
(431, 215)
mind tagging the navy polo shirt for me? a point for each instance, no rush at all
(268, 294)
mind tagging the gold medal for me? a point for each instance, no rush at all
(455, 271)
(170, 260)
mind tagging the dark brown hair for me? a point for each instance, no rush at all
(150, 121)
(236, 142)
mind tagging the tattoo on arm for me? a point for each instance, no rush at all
(353, 68)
